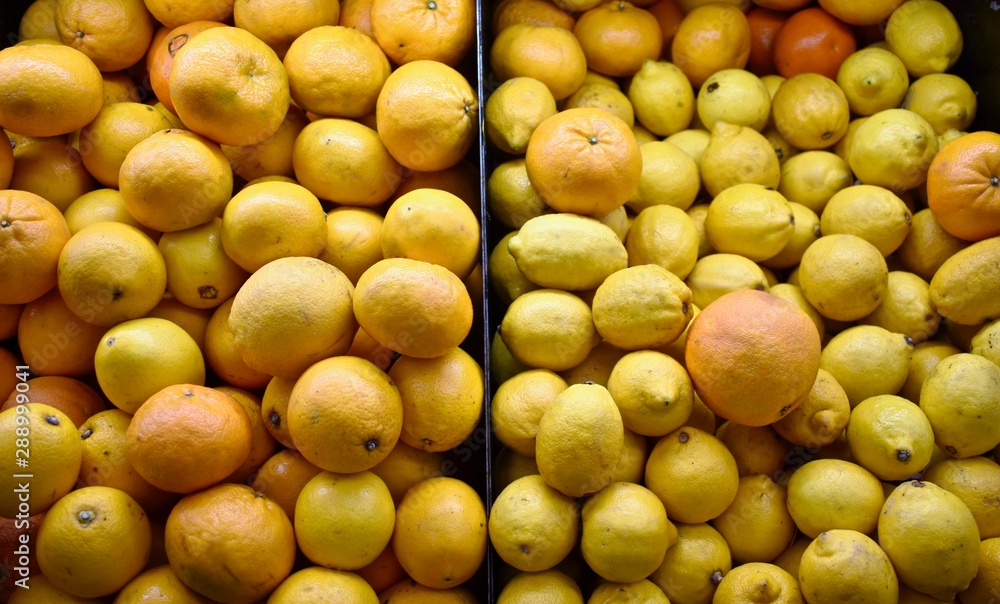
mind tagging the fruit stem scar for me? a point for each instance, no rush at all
(902, 455)
(995, 181)
(432, 5)
(85, 517)
(716, 577)
(86, 434)
(372, 444)
(51, 420)
(683, 437)
(4, 223)
(592, 140)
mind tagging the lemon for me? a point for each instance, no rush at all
(694, 475)
(793, 294)
(924, 358)
(604, 97)
(964, 288)
(662, 97)
(503, 365)
(772, 81)
(509, 466)
(694, 565)
(518, 405)
(737, 154)
(618, 221)
(643, 135)
(735, 96)
(810, 111)
(580, 439)
(567, 251)
(930, 537)
(669, 177)
(758, 582)
(790, 559)
(632, 463)
(547, 586)
(782, 148)
(986, 342)
(698, 213)
(987, 583)
(946, 101)
(927, 246)
(906, 308)
(960, 398)
(532, 525)
(873, 80)
(751, 220)
(820, 418)
(973, 480)
(890, 437)
(666, 236)
(505, 278)
(636, 591)
(718, 274)
(640, 307)
(893, 149)
(826, 494)
(873, 213)
(757, 525)
(692, 141)
(653, 392)
(811, 178)
(843, 276)
(514, 110)
(925, 35)
(549, 329)
(510, 195)
(625, 532)
(596, 367)
(961, 335)
(867, 361)
(756, 449)
(843, 146)
(846, 565)
(805, 231)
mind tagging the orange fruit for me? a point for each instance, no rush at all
(229, 86)
(711, 37)
(764, 25)
(224, 357)
(161, 55)
(442, 399)
(10, 314)
(8, 379)
(417, 30)
(101, 205)
(48, 89)
(187, 437)
(440, 533)
(229, 543)
(669, 15)
(6, 160)
(461, 180)
(344, 414)
(319, 584)
(357, 14)
(38, 21)
(52, 169)
(106, 141)
(32, 235)
(174, 13)
(366, 347)
(336, 71)
(584, 160)
(405, 466)
(192, 320)
(113, 33)
(279, 22)
(427, 115)
(271, 220)
(433, 226)
(617, 37)
(353, 240)
(262, 444)
(93, 541)
(271, 156)
(548, 53)
(119, 88)
(282, 477)
(812, 40)
(292, 313)
(71, 396)
(860, 13)
(963, 186)
(414, 308)
(104, 462)
(54, 341)
(274, 408)
(159, 583)
(53, 457)
(752, 356)
(174, 180)
(325, 162)
(111, 272)
(384, 572)
(535, 12)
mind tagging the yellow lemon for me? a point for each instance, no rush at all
(604, 97)
(873, 79)
(890, 437)
(811, 178)
(805, 231)
(959, 398)
(751, 220)
(636, 591)
(694, 565)
(518, 405)
(827, 494)
(510, 195)
(843, 276)
(641, 307)
(927, 245)
(972, 480)
(757, 525)
(846, 564)
(653, 392)
(692, 141)
(505, 278)
(893, 149)
(961, 288)
(548, 586)
(550, 329)
(810, 111)
(666, 236)
(758, 582)
(924, 358)
(925, 35)
(946, 101)
(669, 177)
(871, 212)
(200, 273)
(820, 418)
(718, 274)
(735, 96)
(756, 449)
(867, 360)
(662, 97)
(906, 308)
(533, 526)
(987, 581)
(986, 342)
(732, 145)
(514, 110)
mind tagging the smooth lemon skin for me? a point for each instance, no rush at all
(514, 110)
(693, 566)
(751, 220)
(962, 289)
(847, 565)
(735, 96)
(828, 494)
(893, 149)
(925, 35)
(873, 80)
(959, 398)
(732, 145)
(533, 526)
(890, 437)
(758, 582)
